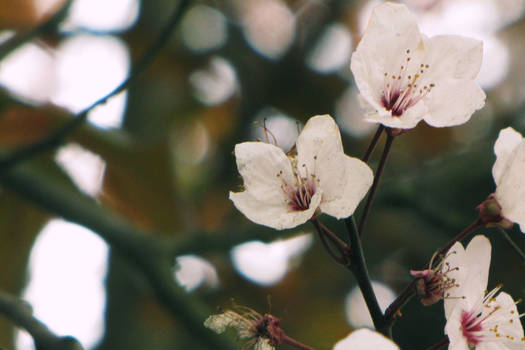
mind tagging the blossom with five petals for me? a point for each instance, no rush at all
(475, 318)
(508, 173)
(285, 190)
(405, 77)
(365, 339)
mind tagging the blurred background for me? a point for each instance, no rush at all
(160, 156)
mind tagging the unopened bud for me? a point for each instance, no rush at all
(490, 213)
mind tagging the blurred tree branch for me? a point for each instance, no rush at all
(56, 138)
(148, 252)
(49, 25)
(21, 313)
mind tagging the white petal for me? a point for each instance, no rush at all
(278, 215)
(407, 120)
(478, 254)
(454, 332)
(452, 102)
(391, 31)
(343, 180)
(456, 261)
(452, 57)
(511, 187)
(346, 187)
(228, 319)
(509, 312)
(320, 137)
(263, 344)
(260, 164)
(365, 339)
(508, 140)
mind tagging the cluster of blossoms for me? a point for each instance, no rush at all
(403, 77)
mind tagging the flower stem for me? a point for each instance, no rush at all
(375, 184)
(342, 246)
(512, 244)
(373, 143)
(474, 226)
(399, 302)
(292, 342)
(440, 344)
(360, 272)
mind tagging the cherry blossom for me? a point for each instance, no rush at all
(365, 339)
(475, 318)
(508, 173)
(405, 77)
(285, 190)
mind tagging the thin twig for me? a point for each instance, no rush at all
(343, 257)
(56, 138)
(471, 228)
(360, 272)
(375, 184)
(21, 314)
(373, 143)
(404, 297)
(512, 244)
(49, 25)
(298, 345)
(439, 345)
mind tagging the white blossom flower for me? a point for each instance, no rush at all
(365, 339)
(404, 76)
(285, 190)
(475, 318)
(508, 172)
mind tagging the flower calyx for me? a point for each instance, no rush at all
(263, 332)
(432, 283)
(490, 213)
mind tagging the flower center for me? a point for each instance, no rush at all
(488, 321)
(300, 194)
(402, 91)
(470, 326)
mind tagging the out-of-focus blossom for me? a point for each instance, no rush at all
(508, 173)
(357, 312)
(285, 190)
(475, 318)
(193, 271)
(405, 77)
(365, 339)
(251, 259)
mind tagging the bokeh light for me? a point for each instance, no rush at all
(88, 67)
(192, 271)
(333, 50)
(102, 15)
(204, 28)
(216, 83)
(357, 313)
(67, 268)
(267, 263)
(269, 26)
(350, 115)
(85, 168)
(280, 128)
(191, 144)
(29, 73)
